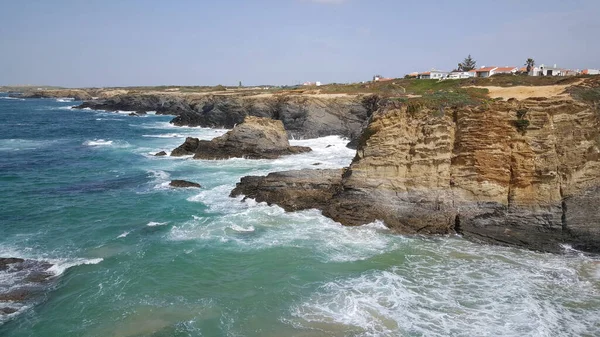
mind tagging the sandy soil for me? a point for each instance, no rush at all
(523, 92)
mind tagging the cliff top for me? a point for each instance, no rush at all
(471, 90)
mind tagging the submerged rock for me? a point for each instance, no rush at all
(184, 183)
(255, 138)
(468, 170)
(160, 154)
(25, 280)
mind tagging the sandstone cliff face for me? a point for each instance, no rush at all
(255, 138)
(480, 172)
(302, 116)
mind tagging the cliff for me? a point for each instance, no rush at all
(523, 173)
(303, 116)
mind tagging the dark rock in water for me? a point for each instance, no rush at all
(189, 147)
(161, 153)
(7, 311)
(316, 164)
(183, 183)
(17, 295)
(256, 138)
(328, 146)
(353, 143)
(133, 114)
(5, 262)
(292, 190)
(27, 281)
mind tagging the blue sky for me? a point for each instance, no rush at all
(145, 42)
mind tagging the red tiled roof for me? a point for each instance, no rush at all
(585, 71)
(486, 69)
(523, 69)
(505, 69)
(426, 73)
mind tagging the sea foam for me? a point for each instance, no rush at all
(98, 142)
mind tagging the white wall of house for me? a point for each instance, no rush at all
(438, 75)
(549, 71)
(593, 72)
(460, 74)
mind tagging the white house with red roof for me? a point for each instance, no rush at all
(490, 71)
(590, 72)
(433, 75)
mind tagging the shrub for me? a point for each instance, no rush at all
(521, 125)
(521, 113)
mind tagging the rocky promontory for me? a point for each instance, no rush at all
(77, 94)
(303, 116)
(255, 138)
(523, 173)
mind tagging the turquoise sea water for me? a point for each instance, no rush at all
(134, 257)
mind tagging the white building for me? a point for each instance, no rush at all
(590, 72)
(455, 75)
(433, 75)
(490, 71)
(544, 70)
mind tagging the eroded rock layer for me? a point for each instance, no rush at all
(523, 173)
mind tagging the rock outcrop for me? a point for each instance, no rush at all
(523, 173)
(188, 147)
(23, 281)
(255, 138)
(292, 190)
(303, 116)
(184, 184)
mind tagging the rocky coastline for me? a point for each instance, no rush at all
(520, 173)
(516, 172)
(303, 116)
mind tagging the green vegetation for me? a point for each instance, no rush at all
(586, 94)
(521, 123)
(530, 63)
(521, 113)
(467, 64)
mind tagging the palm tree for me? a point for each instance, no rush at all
(530, 63)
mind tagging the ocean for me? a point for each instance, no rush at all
(83, 190)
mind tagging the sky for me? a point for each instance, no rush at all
(95, 43)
